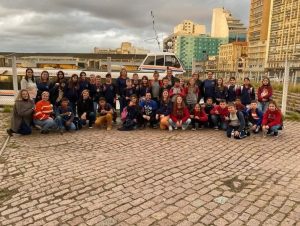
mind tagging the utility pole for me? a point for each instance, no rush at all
(285, 86)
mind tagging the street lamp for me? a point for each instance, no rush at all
(14, 72)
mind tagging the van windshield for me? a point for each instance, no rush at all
(150, 60)
(172, 61)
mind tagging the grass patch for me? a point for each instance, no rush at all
(7, 109)
(6, 194)
(13, 145)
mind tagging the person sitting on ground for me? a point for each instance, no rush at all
(131, 115)
(163, 113)
(254, 117)
(180, 115)
(272, 120)
(149, 108)
(199, 117)
(43, 116)
(85, 109)
(218, 114)
(22, 114)
(105, 114)
(65, 116)
(208, 106)
(236, 123)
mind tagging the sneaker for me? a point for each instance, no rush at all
(61, 131)
(10, 132)
(176, 128)
(193, 129)
(183, 128)
(275, 134)
(216, 128)
(170, 128)
(90, 127)
(108, 128)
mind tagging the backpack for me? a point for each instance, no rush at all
(124, 114)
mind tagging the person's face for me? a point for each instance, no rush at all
(209, 101)
(192, 82)
(135, 77)
(179, 100)
(128, 83)
(83, 77)
(197, 107)
(272, 107)
(64, 104)
(45, 96)
(238, 101)
(222, 105)
(155, 76)
(209, 75)
(148, 96)
(195, 76)
(45, 75)
(220, 81)
(265, 82)
(169, 72)
(231, 109)
(60, 75)
(253, 106)
(123, 72)
(102, 103)
(29, 73)
(108, 80)
(232, 81)
(246, 82)
(181, 82)
(177, 84)
(85, 95)
(24, 95)
(166, 82)
(145, 81)
(134, 100)
(98, 80)
(165, 94)
(74, 78)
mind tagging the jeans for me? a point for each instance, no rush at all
(263, 106)
(217, 122)
(184, 124)
(61, 122)
(46, 124)
(275, 128)
(91, 117)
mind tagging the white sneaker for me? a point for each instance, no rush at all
(170, 128)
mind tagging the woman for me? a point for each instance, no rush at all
(180, 115)
(43, 114)
(264, 94)
(221, 91)
(22, 114)
(121, 86)
(272, 120)
(43, 85)
(28, 83)
(72, 91)
(163, 113)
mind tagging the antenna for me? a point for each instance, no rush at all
(156, 36)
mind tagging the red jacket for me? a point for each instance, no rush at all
(222, 112)
(185, 116)
(267, 91)
(201, 114)
(43, 109)
(272, 118)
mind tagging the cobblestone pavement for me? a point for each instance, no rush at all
(150, 177)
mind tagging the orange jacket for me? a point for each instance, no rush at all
(43, 109)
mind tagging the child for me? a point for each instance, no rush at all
(272, 120)
(180, 115)
(149, 108)
(96, 91)
(43, 114)
(192, 93)
(236, 123)
(83, 82)
(199, 117)
(57, 93)
(209, 86)
(220, 91)
(129, 90)
(64, 116)
(85, 109)
(105, 112)
(264, 94)
(247, 93)
(43, 85)
(144, 88)
(165, 86)
(163, 113)
(136, 84)
(72, 91)
(233, 90)
(176, 90)
(131, 116)
(110, 94)
(208, 106)
(218, 114)
(254, 117)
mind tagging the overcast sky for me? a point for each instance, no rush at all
(80, 25)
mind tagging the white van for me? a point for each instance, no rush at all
(161, 62)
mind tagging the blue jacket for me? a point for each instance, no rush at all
(148, 107)
(165, 108)
(259, 114)
(247, 95)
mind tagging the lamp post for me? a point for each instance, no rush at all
(285, 86)
(14, 72)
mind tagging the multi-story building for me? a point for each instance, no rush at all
(126, 48)
(284, 36)
(224, 25)
(191, 49)
(232, 57)
(258, 35)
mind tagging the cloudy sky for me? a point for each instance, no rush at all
(80, 25)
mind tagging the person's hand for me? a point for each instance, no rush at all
(103, 111)
(267, 127)
(68, 123)
(83, 116)
(178, 124)
(197, 117)
(254, 127)
(236, 133)
(217, 112)
(157, 116)
(57, 84)
(226, 118)
(191, 116)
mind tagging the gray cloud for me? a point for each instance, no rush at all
(78, 26)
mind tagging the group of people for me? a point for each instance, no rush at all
(170, 103)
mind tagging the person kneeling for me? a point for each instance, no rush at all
(180, 115)
(272, 120)
(149, 108)
(65, 116)
(199, 117)
(105, 114)
(236, 123)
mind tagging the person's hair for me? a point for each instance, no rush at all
(82, 74)
(155, 73)
(273, 102)
(64, 99)
(26, 76)
(162, 96)
(43, 73)
(85, 90)
(19, 96)
(248, 80)
(175, 106)
(222, 101)
(123, 69)
(253, 101)
(71, 84)
(108, 75)
(209, 98)
(196, 73)
(231, 104)
(232, 78)
(61, 73)
(102, 99)
(133, 96)
(266, 78)
(142, 83)
(199, 106)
